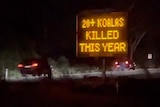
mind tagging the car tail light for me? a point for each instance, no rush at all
(126, 62)
(34, 64)
(20, 66)
(116, 63)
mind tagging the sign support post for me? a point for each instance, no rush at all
(104, 68)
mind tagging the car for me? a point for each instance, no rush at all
(35, 67)
(123, 64)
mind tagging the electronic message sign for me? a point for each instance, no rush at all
(101, 35)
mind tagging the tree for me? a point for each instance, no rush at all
(138, 27)
(63, 64)
(9, 58)
(138, 21)
(139, 24)
(136, 41)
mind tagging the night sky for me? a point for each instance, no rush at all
(22, 22)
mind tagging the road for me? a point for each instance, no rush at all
(138, 73)
(81, 92)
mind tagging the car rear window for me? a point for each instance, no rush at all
(30, 61)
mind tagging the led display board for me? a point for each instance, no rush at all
(101, 35)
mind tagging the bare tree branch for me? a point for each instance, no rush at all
(130, 8)
(140, 38)
(135, 43)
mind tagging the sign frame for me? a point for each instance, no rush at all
(96, 54)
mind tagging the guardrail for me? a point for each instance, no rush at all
(117, 73)
(155, 72)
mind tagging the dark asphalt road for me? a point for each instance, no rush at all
(81, 93)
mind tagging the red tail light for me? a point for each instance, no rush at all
(126, 62)
(20, 66)
(116, 63)
(34, 64)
